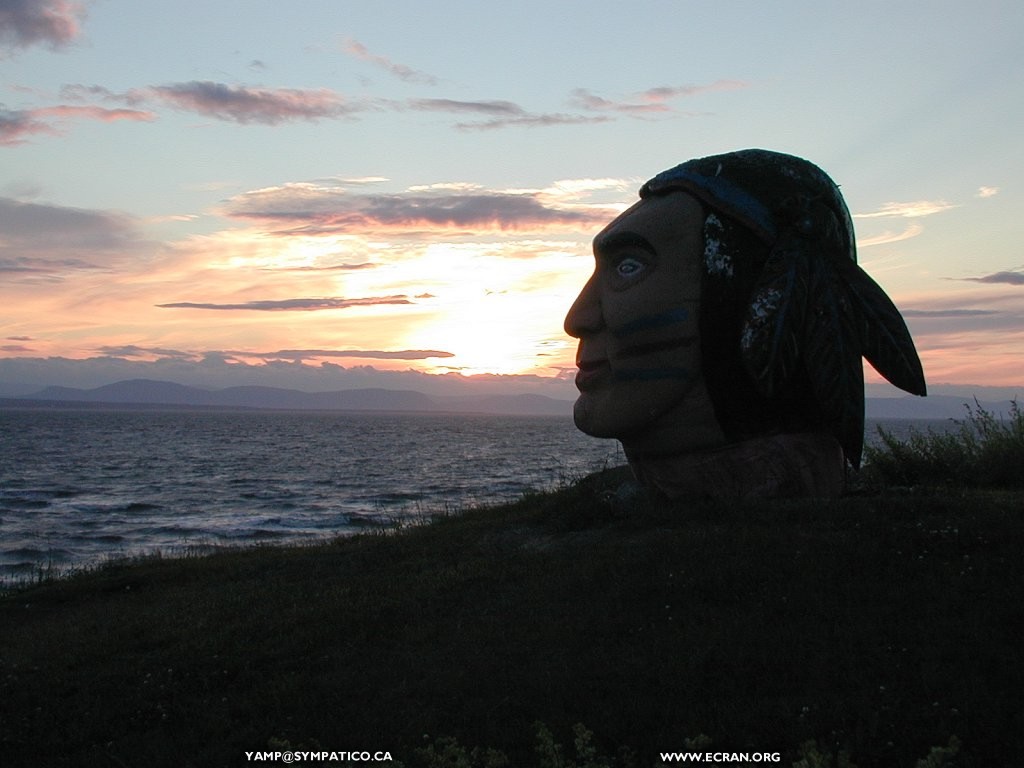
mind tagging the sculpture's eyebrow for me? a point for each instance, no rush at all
(617, 241)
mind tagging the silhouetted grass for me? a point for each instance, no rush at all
(878, 626)
(985, 451)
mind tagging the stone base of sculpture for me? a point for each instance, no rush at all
(777, 466)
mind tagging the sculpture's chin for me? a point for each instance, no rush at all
(653, 417)
(606, 413)
(587, 419)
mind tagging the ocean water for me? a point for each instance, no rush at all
(81, 486)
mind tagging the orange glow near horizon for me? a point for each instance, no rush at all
(483, 298)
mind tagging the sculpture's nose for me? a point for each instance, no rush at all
(585, 314)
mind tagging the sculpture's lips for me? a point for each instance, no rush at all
(591, 374)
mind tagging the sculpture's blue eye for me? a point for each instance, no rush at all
(629, 268)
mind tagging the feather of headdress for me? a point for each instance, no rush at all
(832, 356)
(884, 338)
(773, 324)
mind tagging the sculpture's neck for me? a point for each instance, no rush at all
(690, 425)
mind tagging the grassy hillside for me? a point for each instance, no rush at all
(877, 627)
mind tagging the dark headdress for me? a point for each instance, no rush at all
(786, 312)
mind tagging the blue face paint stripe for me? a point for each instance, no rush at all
(653, 374)
(653, 347)
(649, 322)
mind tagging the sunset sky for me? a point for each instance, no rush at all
(325, 193)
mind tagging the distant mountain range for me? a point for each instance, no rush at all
(151, 393)
(147, 392)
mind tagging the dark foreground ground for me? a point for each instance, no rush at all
(880, 626)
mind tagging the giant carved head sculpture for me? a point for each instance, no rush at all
(722, 331)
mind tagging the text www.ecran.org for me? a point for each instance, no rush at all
(721, 758)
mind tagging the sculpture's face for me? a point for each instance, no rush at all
(636, 319)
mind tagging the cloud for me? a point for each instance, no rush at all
(911, 210)
(947, 313)
(313, 209)
(271, 106)
(242, 104)
(326, 268)
(505, 108)
(131, 350)
(988, 316)
(79, 92)
(357, 181)
(504, 114)
(24, 23)
(603, 199)
(43, 269)
(665, 93)
(916, 209)
(16, 125)
(49, 239)
(651, 101)
(38, 223)
(913, 230)
(94, 113)
(1009, 278)
(135, 352)
(587, 100)
(291, 305)
(532, 121)
(984, 192)
(366, 354)
(401, 71)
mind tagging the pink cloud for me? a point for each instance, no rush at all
(501, 108)
(38, 235)
(291, 305)
(531, 121)
(910, 231)
(65, 111)
(665, 93)
(503, 114)
(587, 100)
(366, 354)
(29, 22)
(242, 104)
(650, 101)
(1007, 277)
(308, 209)
(17, 125)
(908, 210)
(358, 50)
